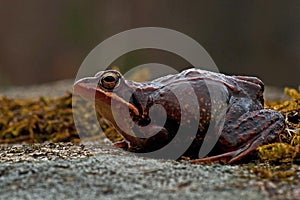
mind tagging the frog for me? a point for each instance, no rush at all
(127, 106)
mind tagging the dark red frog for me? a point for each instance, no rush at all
(243, 125)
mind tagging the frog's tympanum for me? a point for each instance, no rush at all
(246, 126)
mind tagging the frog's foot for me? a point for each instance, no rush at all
(264, 128)
(124, 144)
(127, 146)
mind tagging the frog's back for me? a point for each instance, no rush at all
(246, 86)
(228, 86)
(188, 75)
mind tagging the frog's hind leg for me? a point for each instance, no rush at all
(251, 130)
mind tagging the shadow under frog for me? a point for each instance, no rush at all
(240, 123)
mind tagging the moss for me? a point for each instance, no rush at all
(277, 173)
(287, 149)
(278, 152)
(45, 119)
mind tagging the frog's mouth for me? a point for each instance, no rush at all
(88, 89)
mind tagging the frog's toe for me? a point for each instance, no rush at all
(124, 144)
(222, 158)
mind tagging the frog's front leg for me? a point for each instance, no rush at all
(240, 138)
(147, 139)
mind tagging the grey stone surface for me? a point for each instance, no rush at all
(101, 171)
(66, 171)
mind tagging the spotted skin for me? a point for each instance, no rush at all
(247, 124)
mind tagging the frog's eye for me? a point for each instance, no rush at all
(110, 80)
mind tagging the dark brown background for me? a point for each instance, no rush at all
(44, 40)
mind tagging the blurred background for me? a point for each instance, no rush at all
(42, 41)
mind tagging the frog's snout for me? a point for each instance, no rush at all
(86, 87)
(87, 83)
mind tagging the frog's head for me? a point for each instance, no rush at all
(104, 88)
